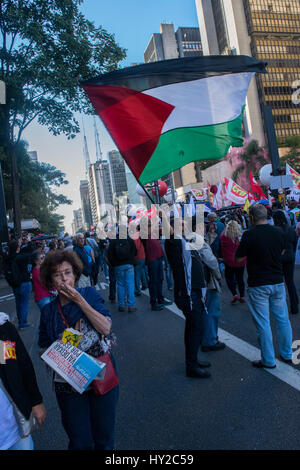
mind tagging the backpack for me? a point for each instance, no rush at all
(122, 251)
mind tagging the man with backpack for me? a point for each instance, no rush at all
(18, 268)
(121, 253)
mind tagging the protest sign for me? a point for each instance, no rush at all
(74, 366)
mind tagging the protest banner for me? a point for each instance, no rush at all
(234, 192)
(199, 194)
(73, 365)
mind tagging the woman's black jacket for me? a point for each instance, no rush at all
(18, 374)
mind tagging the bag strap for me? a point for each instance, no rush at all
(61, 314)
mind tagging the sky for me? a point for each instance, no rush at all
(132, 22)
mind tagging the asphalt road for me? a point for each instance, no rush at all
(238, 408)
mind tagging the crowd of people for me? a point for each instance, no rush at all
(64, 273)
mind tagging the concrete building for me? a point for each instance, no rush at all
(85, 204)
(118, 174)
(167, 44)
(78, 221)
(33, 156)
(268, 30)
(100, 189)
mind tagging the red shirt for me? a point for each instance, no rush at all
(153, 250)
(140, 249)
(228, 248)
(39, 291)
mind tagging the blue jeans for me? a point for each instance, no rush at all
(23, 444)
(125, 284)
(103, 264)
(22, 296)
(89, 419)
(261, 301)
(211, 319)
(168, 274)
(139, 275)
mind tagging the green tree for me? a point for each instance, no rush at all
(201, 165)
(38, 184)
(46, 46)
(293, 156)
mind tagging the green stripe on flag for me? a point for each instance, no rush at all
(178, 147)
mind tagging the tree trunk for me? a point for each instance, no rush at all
(3, 219)
(10, 149)
(198, 172)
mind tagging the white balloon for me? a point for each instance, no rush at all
(265, 174)
(131, 210)
(169, 196)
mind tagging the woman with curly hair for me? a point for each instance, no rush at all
(87, 418)
(234, 272)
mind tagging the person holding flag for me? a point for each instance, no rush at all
(189, 290)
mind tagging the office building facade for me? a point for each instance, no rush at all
(77, 224)
(118, 174)
(33, 155)
(274, 29)
(100, 189)
(268, 30)
(168, 44)
(85, 204)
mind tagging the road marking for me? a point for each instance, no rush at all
(7, 297)
(284, 372)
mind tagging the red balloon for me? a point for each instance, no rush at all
(162, 188)
(214, 189)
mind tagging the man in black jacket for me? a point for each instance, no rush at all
(189, 296)
(121, 253)
(19, 268)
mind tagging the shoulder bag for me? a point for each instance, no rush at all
(110, 379)
(26, 426)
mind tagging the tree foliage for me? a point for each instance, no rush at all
(293, 156)
(46, 46)
(38, 195)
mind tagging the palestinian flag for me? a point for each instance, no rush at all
(163, 115)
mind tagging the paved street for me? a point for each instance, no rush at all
(239, 407)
